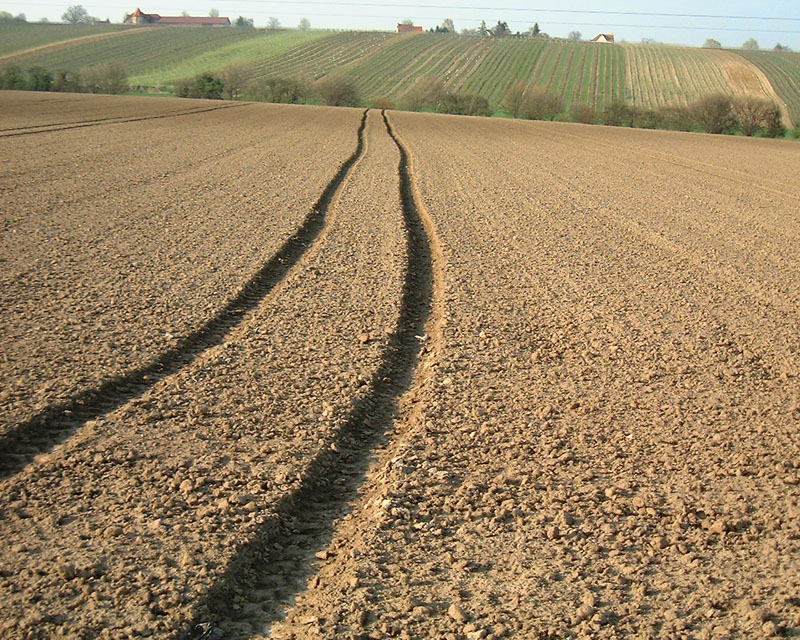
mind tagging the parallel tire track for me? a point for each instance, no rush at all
(66, 126)
(56, 423)
(303, 521)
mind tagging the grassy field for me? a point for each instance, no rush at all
(251, 51)
(16, 37)
(387, 65)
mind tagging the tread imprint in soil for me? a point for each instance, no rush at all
(55, 424)
(303, 519)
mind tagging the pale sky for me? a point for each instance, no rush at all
(731, 22)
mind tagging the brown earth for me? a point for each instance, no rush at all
(120, 239)
(587, 337)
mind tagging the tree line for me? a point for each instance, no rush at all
(716, 113)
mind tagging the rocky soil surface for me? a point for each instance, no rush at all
(611, 446)
(528, 380)
(121, 239)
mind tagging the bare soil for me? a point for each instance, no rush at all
(528, 380)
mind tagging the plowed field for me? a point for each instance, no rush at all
(301, 372)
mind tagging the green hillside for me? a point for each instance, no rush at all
(17, 37)
(783, 72)
(140, 49)
(251, 51)
(387, 65)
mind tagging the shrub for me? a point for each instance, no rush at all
(39, 79)
(714, 113)
(106, 77)
(541, 105)
(425, 92)
(514, 99)
(758, 115)
(67, 81)
(234, 77)
(204, 85)
(617, 114)
(284, 90)
(465, 104)
(675, 118)
(13, 78)
(583, 113)
(381, 103)
(645, 119)
(337, 91)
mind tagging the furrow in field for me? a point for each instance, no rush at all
(115, 384)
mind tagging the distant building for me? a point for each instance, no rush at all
(604, 37)
(139, 17)
(408, 28)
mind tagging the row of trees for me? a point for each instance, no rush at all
(716, 113)
(107, 77)
(751, 44)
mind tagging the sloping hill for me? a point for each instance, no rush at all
(252, 51)
(782, 69)
(387, 65)
(140, 50)
(16, 38)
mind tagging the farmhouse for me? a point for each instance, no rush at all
(408, 28)
(604, 37)
(139, 17)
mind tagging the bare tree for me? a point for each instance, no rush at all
(447, 23)
(76, 14)
(712, 44)
(575, 36)
(750, 43)
(235, 78)
(337, 91)
(514, 100)
(714, 113)
(304, 24)
(213, 13)
(273, 23)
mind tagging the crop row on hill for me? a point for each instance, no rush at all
(783, 72)
(386, 65)
(15, 38)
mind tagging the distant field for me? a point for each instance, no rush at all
(387, 65)
(251, 51)
(142, 50)
(325, 55)
(15, 38)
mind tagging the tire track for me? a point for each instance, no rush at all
(42, 128)
(55, 424)
(302, 523)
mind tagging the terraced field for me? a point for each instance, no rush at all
(341, 373)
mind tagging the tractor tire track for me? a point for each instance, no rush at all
(303, 521)
(56, 423)
(66, 126)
